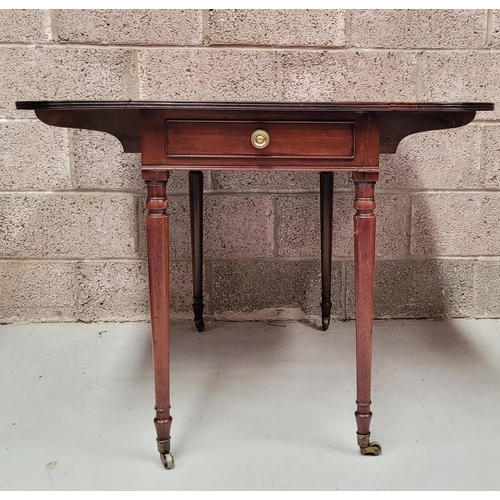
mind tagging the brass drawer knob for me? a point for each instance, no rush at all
(260, 139)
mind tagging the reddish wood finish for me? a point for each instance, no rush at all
(121, 118)
(339, 143)
(157, 232)
(209, 139)
(152, 138)
(321, 137)
(364, 272)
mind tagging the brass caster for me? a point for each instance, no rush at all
(325, 323)
(374, 449)
(368, 448)
(167, 460)
(166, 457)
(200, 324)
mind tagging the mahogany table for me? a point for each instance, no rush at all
(314, 137)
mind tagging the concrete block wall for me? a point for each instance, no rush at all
(72, 244)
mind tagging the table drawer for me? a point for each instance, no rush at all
(233, 139)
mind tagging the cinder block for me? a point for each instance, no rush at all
(312, 299)
(266, 286)
(349, 76)
(37, 291)
(488, 289)
(33, 156)
(181, 290)
(495, 28)
(419, 289)
(217, 74)
(180, 231)
(440, 159)
(89, 225)
(298, 232)
(99, 162)
(238, 226)
(342, 180)
(461, 76)
(178, 182)
(393, 225)
(58, 73)
(277, 27)
(462, 224)
(275, 181)
(418, 28)
(119, 291)
(491, 156)
(113, 291)
(131, 26)
(234, 226)
(25, 26)
(268, 181)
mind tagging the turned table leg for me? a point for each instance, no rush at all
(158, 265)
(326, 210)
(196, 217)
(364, 272)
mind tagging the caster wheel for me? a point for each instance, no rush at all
(374, 449)
(368, 447)
(325, 323)
(167, 460)
(200, 324)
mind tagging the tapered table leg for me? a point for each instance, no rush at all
(364, 271)
(326, 210)
(158, 265)
(196, 217)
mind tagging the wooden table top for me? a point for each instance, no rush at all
(123, 118)
(267, 106)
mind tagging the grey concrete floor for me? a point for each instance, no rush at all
(256, 406)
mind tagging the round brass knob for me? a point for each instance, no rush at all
(260, 139)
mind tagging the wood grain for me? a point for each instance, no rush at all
(198, 136)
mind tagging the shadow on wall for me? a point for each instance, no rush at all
(427, 236)
(412, 282)
(432, 279)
